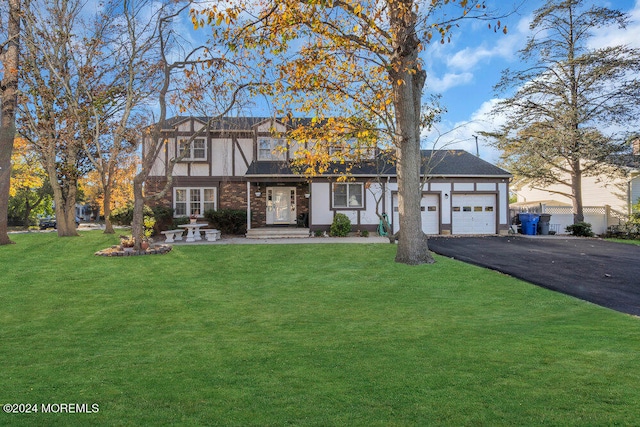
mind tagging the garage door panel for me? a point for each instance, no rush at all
(430, 208)
(473, 214)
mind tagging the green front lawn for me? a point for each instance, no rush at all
(627, 241)
(300, 335)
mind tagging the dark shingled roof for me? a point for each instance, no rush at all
(446, 163)
(233, 123)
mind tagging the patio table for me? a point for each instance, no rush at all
(193, 230)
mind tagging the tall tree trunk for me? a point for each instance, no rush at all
(106, 207)
(576, 193)
(137, 225)
(64, 196)
(8, 103)
(407, 80)
(27, 212)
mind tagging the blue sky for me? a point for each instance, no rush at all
(465, 71)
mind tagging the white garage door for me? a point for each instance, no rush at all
(430, 213)
(473, 214)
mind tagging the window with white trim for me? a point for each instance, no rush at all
(348, 195)
(271, 149)
(193, 201)
(192, 150)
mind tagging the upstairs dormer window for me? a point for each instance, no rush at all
(271, 149)
(193, 150)
(351, 149)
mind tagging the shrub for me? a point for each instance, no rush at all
(364, 233)
(582, 229)
(228, 221)
(341, 225)
(163, 216)
(179, 221)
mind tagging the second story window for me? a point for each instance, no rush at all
(271, 149)
(351, 149)
(192, 150)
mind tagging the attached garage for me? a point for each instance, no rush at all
(430, 207)
(473, 214)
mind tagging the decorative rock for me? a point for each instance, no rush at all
(117, 250)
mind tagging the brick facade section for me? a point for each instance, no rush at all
(233, 195)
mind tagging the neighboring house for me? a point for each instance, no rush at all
(606, 201)
(240, 164)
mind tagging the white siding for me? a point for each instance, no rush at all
(247, 150)
(486, 186)
(635, 190)
(267, 125)
(199, 169)
(463, 186)
(503, 203)
(159, 165)
(445, 205)
(180, 169)
(321, 214)
(221, 157)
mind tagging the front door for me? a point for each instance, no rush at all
(281, 205)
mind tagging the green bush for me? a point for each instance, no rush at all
(582, 229)
(341, 225)
(179, 221)
(228, 221)
(163, 216)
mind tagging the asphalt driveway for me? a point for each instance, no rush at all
(598, 271)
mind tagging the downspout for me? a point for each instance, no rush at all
(248, 206)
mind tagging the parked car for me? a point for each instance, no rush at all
(50, 222)
(47, 222)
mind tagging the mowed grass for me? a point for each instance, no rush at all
(627, 241)
(318, 335)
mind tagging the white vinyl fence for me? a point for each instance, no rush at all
(600, 217)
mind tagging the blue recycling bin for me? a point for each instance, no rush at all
(529, 223)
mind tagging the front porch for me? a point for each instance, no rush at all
(277, 233)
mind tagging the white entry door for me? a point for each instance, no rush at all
(473, 214)
(430, 207)
(281, 205)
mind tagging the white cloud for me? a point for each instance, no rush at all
(603, 37)
(469, 57)
(448, 81)
(461, 135)
(461, 63)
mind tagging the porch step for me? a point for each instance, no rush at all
(277, 233)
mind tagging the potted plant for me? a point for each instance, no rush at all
(194, 217)
(127, 243)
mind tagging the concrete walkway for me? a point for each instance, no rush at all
(286, 241)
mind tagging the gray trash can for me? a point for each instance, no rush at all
(543, 225)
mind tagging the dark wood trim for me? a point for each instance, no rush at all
(359, 208)
(237, 144)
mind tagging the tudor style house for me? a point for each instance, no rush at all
(241, 163)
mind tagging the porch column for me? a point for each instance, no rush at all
(248, 205)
